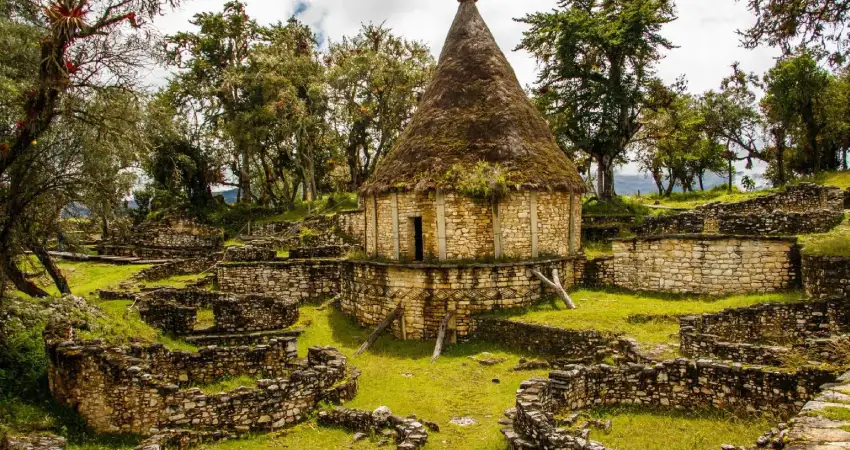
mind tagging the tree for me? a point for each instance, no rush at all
(676, 139)
(795, 106)
(214, 64)
(598, 61)
(376, 81)
(57, 57)
(783, 23)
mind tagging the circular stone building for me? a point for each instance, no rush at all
(473, 196)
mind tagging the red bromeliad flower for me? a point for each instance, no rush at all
(71, 67)
(67, 16)
(19, 125)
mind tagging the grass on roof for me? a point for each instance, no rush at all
(610, 310)
(646, 428)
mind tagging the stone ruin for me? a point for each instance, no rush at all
(167, 239)
(175, 311)
(148, 390)
(408, 433)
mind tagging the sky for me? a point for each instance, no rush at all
(704, 33)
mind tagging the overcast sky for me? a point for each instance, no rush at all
(704, 32)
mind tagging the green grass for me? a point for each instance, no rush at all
(609, 310)
(120, 325)
(205, 319)
(594, 250)
(697, 198)
(234, 243)
(831, 413)
(327, 205)
(86, 278)
(839, 179)
(620, 206)
(641, 428)
(228, 384)
(834, 243)
(179, 281)
(176, 344)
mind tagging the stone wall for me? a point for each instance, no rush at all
(344, 228)
(371, 290)
(175, 311)
(773, 223)
(189, 266)
(598, 272)
(799, 198)
(701, 264)
(826, 276)
(588, 346)
(353, 223)
(139, 391)
(166, 239)
(679, 383)
(847, 199)
(469, 225)
(330, 251)
(301, 280)
(767, 333)
(249, 253)
(42, 442)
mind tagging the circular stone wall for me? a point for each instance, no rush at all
(371, 290)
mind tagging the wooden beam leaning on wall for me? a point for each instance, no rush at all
(441, 336)
(391, 317)
(555, 285)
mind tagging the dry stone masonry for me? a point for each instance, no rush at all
(166, 239)
(46, 442)
(801, 209)
(143, 390)
(407, 432)
(702, 264)
(678, 383)
(300, 280)
(371, 290)
(188, 266)
(175, 311)
(826, 276)
(249, 253)
(769, 333)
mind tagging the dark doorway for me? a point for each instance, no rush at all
(418, 243)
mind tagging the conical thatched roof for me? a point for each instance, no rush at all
(474, 110)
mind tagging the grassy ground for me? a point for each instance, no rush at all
(610, 310)
(179, 281)
(694, 199)
(834, 243)
(326, 205)
(636, 428)
(840, 179)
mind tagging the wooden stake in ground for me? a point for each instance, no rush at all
(555, 284)
(391, 317)
(441, 336)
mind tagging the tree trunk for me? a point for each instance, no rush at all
(14, 274)
(391, 317)
(731, 175)
(104, 223)
(441, 336)
(245, 176)
(58, 279)
(555, 284)
(701, 183)
(779, 143)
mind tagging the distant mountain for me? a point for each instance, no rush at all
(631, 184)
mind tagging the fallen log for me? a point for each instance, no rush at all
(555, 284)
(441, 336)
(391, 317)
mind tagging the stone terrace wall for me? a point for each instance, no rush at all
(598, 272)
(700, 264)
(800, 198)
(781, 222)
(371, 290)
(353, 223)
(181, 267)
(175, 311)
(344, 228)
(577, 345)
(766, 333)
(301, 280)
(826, 276)
(165, 239)
(678, 383)
(249, 253)
(330, 251)
(117, 393)
(43, 442)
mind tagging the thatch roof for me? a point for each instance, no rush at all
(474, 110)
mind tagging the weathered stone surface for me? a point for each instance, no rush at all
(43, 442)
(371, 290)
(826, 276)
(166, 239)
(249, 253)
(188, 266)
(409, 433)
(143, 390)
(703, 264)
(577, 345)
(300, 280)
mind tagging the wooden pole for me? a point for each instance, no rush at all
(381, 327)
(441, 336)
(555, 284)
